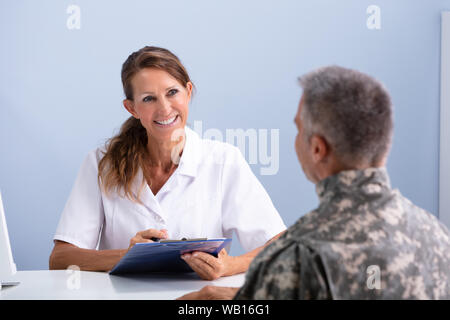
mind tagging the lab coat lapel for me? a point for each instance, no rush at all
(187, 167)
(147, 197)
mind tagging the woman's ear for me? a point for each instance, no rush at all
(129, 105)
(319, 148)
(189, 89)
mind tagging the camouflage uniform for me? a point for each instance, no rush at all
(361, 225)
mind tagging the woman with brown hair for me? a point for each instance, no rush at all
(158, 179)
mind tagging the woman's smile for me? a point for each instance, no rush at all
(167, 123)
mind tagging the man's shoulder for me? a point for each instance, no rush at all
(286, 269)
(398, 239)
(285, 251)
(423, 218)
(342, 253)
(351, 216)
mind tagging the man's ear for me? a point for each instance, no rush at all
(319, 148)
(128, 104)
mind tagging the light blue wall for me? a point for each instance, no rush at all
(60, 90)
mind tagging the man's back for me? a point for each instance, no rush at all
(364, 241)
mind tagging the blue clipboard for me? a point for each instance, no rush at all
(165, 256)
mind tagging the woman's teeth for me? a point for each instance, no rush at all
(166, 122)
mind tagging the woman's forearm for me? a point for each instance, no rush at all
(242, 263)
(66, 255)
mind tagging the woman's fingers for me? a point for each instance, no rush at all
(204, 270)
(137, 239)
(153, 233)
(210, 260)
(146, 236)
(205, 265)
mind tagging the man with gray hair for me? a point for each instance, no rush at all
(365, 240)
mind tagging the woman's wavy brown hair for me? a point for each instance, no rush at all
(126, 152)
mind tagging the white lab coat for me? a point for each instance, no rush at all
(212, 194)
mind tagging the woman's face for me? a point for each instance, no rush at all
(160, 102)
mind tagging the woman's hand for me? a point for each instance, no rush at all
(147, 235)
(209, 267)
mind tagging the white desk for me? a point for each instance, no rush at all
(56, 284)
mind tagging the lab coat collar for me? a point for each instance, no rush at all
(188, 167)
(191, 154)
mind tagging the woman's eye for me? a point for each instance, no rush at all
(173, 92)
(147, 99)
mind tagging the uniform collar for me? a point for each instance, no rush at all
(370, 181)
(191, 154)
(187, 166)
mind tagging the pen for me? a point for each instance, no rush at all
(183, 239)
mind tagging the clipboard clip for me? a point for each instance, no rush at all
(182, 239)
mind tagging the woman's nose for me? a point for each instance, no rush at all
(164, 106)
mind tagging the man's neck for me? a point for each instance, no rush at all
(335, 166)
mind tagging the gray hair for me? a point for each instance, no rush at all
(351, 111)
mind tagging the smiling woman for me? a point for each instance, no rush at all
(159, 179)
(158, 90)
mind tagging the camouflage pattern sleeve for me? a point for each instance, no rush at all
(291, 272)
